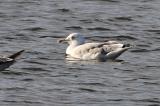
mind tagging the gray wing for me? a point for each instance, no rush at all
(115, 49)
(110, 50)
(88, 47)
(88, 51)
(112, 47)
(98, 47)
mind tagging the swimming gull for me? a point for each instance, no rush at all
(101, 51)
(7, 61)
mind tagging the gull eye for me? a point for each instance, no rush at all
(73, 37)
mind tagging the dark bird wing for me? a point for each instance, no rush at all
(7, 61)
(16, 55)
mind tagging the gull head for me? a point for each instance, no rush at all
(73, 38)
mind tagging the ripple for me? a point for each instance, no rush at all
(157, 31)
(23, 37)
(35, 69)
(125, 70)
(151, 83)
(35, 29)
(99, 29)
(28, 20)
(31, 102)
(20, 34)
(138, 50)
(121, 19)
(120, 37)
(3, 15)
(64, 10)
(35, 62)
(94, 84)
(8, 37)
(15, 88)
(125, 37)
(54, 36)
(12, 72)
(87, 89)
(156, 49)
(74, 27)
(154, 105)
(152, 100)
(115, 99)
(112, 1)
(24, 101)
(10, 101)
(35, 52)
(143, 45)
(86, 21)
(25, 2)
(27, 79)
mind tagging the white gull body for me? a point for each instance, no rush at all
(102, 51)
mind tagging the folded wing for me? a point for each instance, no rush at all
(100, 51)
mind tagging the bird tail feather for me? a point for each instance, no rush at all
(117, 53)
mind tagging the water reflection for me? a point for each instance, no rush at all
(70, 59)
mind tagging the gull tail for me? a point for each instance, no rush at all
(114, 54)
(128, 46)
(16, 55)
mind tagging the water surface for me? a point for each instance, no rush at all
(43, 77)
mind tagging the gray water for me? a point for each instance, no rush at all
(43, 77)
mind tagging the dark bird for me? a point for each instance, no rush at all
(7, 61)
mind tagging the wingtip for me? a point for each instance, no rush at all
(17, 54)
(128, 46)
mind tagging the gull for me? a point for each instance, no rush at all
(7, 61)
(101, 51)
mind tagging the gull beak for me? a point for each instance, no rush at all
(62, 40)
